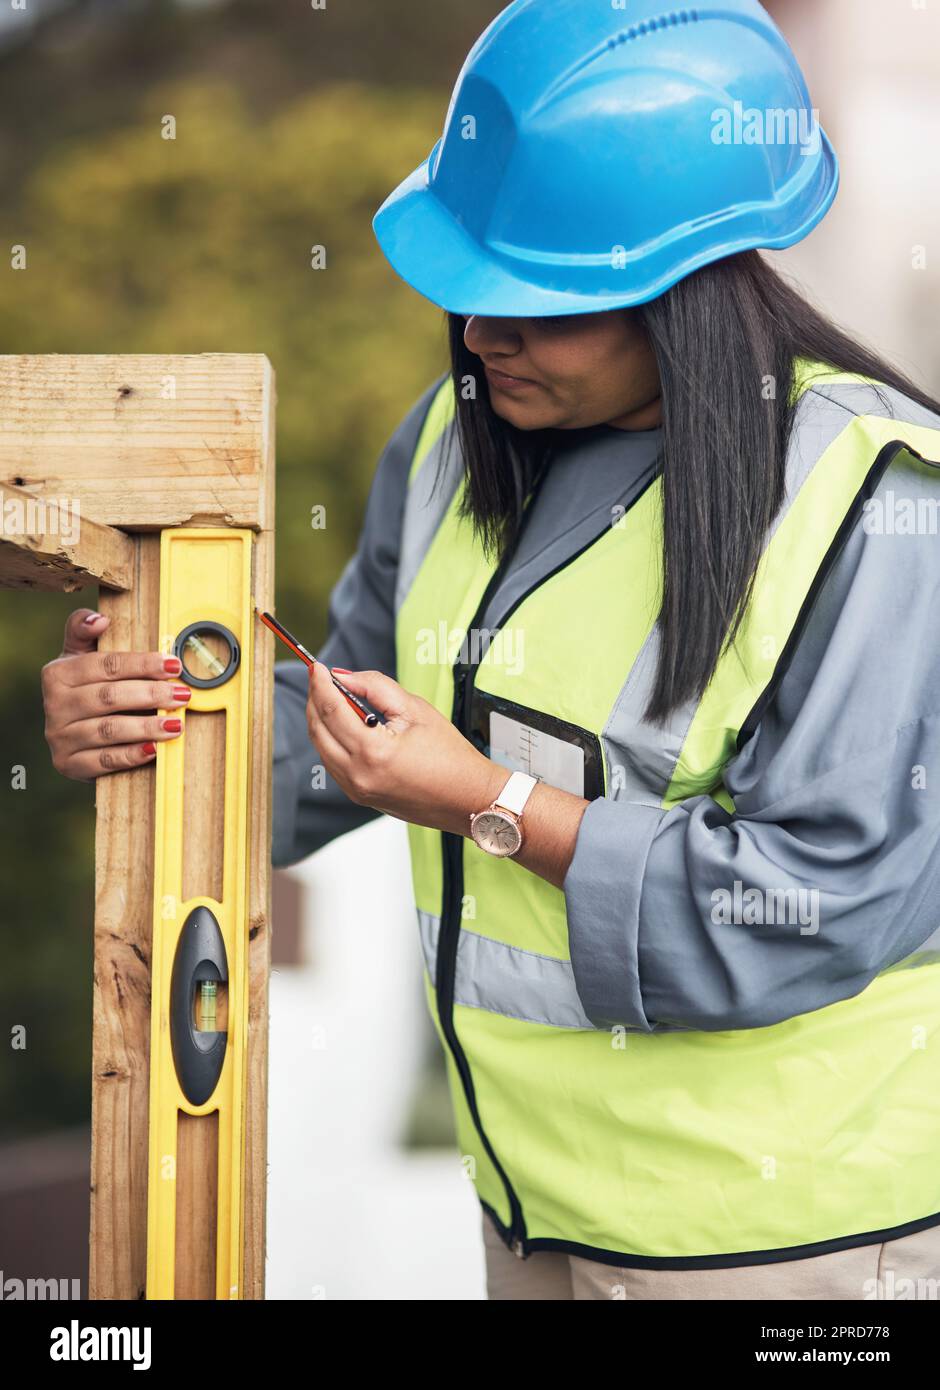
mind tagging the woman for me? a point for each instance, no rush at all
(657, 637)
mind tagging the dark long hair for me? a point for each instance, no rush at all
(721, 337)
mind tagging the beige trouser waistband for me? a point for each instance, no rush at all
(907, 1268)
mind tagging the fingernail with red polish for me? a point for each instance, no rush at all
(150, 748)
(181, 692)
(172, 665)
(172, 726)
(343, 670)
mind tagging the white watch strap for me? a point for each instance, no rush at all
(516, 792)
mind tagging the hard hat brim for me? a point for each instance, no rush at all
(430, 250)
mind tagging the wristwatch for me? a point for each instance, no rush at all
(498, 828)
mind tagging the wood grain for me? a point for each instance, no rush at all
(259, 884)
(46, 544)
(215, 463)
(123, 926)
(145, 441)
(197, 1201)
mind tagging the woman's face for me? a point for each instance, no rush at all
(569, 372)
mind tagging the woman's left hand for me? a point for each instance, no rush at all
(417, 766)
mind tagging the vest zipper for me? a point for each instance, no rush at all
(452, 847)
(449, 936)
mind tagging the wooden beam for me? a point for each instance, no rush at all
(146, 441)
(46, 543)
(120, 1088)
(259, 886)
(124, 845)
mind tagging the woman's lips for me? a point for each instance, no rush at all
(502, 382)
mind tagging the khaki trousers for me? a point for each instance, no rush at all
(908, 1268)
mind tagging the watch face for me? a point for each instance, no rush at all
(496, 833)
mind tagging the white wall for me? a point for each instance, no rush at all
(352, 1215)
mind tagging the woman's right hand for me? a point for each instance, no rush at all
(94, 702)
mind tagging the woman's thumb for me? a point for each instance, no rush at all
(82, 630)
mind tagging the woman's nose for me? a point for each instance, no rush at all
(491, 335)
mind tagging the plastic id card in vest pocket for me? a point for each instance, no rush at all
(527, 740)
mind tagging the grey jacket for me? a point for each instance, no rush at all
(836, 791)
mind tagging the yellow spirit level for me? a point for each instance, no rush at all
(199, 1002)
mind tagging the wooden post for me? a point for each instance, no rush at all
(135, 444)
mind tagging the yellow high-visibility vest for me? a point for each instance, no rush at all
(677, 1146)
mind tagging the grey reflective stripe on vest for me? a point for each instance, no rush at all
(871, 400)
(429, 496)
(507, 980)
(522, 984)
(642, 757)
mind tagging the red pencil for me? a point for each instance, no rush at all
(300, 650)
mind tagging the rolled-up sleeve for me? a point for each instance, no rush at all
(309, 808)
(828, 870)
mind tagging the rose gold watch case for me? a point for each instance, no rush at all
(506, 820)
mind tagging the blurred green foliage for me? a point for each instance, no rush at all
(203, 243)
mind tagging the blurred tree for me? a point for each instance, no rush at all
(200, 243)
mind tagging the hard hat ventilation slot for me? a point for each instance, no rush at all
(650, 26)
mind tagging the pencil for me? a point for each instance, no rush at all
(300, 650)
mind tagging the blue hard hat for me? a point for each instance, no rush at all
(592, 156)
